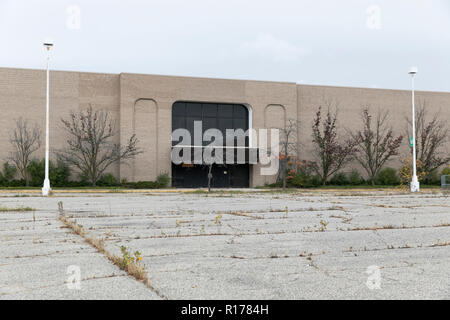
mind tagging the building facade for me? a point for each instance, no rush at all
(150, 106)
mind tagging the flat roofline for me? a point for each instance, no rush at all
(56, 70)
(206, 78)
(230, 79)
(368, 88)
(151, 75)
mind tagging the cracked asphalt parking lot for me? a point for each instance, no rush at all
(256, 245)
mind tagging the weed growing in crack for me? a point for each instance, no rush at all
(19, 209)
(218, 222)
(217, 219)
(129, 258)
(129, 262)
(323, 226)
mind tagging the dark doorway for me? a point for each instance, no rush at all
(224, 176)
(221, 116)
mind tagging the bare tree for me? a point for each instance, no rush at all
(90, 148)
(288, 146)
(330, 154)
(25, 142)
(376, 143)
(431, 137)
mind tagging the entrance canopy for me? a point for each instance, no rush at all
(213, 154)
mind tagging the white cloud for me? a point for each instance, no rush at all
(268, 47)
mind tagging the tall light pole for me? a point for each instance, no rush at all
(415, 185)
(46, 188)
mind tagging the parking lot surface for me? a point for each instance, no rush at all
(230, 245)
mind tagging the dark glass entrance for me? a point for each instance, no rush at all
(223, 176)
(213, 115)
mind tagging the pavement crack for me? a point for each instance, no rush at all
(132, 268)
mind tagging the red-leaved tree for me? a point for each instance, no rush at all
(376, 143)
(330, 153)
(432, 135)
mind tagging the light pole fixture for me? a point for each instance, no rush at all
(415, 185)
(46, 188)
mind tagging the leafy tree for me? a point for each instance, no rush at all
(375, 143)
(90, 146)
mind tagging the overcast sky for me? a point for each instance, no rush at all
(346, 43)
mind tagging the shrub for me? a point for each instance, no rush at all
(142, 185)
(76, 184)
(315, 181)
(163, 180)
(339, 179)
(432, 178)
(59, 174)
(14, 183)
(84, 177)
(290, 173)
(446, 171)
(354, 178)
(299, 180)
(17, 183)
(36, 170)
(387, 176)
(304, 177)
(107, 180)
(277, 184)
(8, 173)
(406, 170)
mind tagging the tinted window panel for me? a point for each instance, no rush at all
(240, 124)
(225, 124)
(210, 110)
(178, 122)
(209, 123)
(190, 124)
(194, 109)
(225, 111)
(240, 112)
(212, 115)
(179, 109)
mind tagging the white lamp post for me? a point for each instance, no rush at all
(46, 188)
(415, 185)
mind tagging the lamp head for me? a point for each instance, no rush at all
(413, 71)
(48, 43)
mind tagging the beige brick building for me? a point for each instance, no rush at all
(143, 104)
